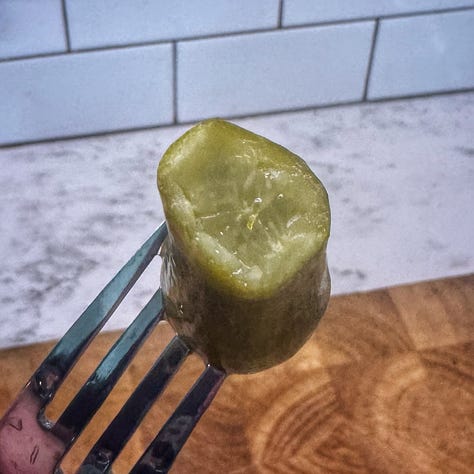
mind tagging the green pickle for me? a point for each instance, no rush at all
(244, 272)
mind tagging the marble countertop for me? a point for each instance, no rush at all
(399, 174)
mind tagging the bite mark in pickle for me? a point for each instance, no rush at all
(244, 270)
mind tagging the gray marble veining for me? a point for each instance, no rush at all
(400, 176)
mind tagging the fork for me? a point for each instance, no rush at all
(32, 444)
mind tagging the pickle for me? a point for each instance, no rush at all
(244, 273)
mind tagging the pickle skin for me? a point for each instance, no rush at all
(240, 335)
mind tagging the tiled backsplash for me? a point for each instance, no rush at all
(278, 70)
(79, 67)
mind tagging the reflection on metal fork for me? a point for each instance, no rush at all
(31, 444)
(112, 441)
(162, 452)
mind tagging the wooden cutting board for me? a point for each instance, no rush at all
(385, 385)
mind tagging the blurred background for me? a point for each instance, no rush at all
(377, 95)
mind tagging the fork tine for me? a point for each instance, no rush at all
(62, 358)
(114, 438)
(162, 452)
(93, 393)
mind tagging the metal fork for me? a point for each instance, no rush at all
(32, 444)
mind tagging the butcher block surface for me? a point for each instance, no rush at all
(385, 385)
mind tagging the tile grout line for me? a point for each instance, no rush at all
(280, 14)
(230, 34)
(66, 25)
(353, 103)
(371, 59)
(174, 78)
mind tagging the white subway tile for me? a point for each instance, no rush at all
(113, 22)
(264, 72)
(423, 54)
(298, 12)
(85, 93)
(31, 27)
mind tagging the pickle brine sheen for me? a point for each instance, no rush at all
(244, 272)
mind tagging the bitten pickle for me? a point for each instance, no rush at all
(244, 271)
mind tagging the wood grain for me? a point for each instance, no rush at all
(385, 385)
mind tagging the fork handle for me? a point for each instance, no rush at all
(26, 446)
